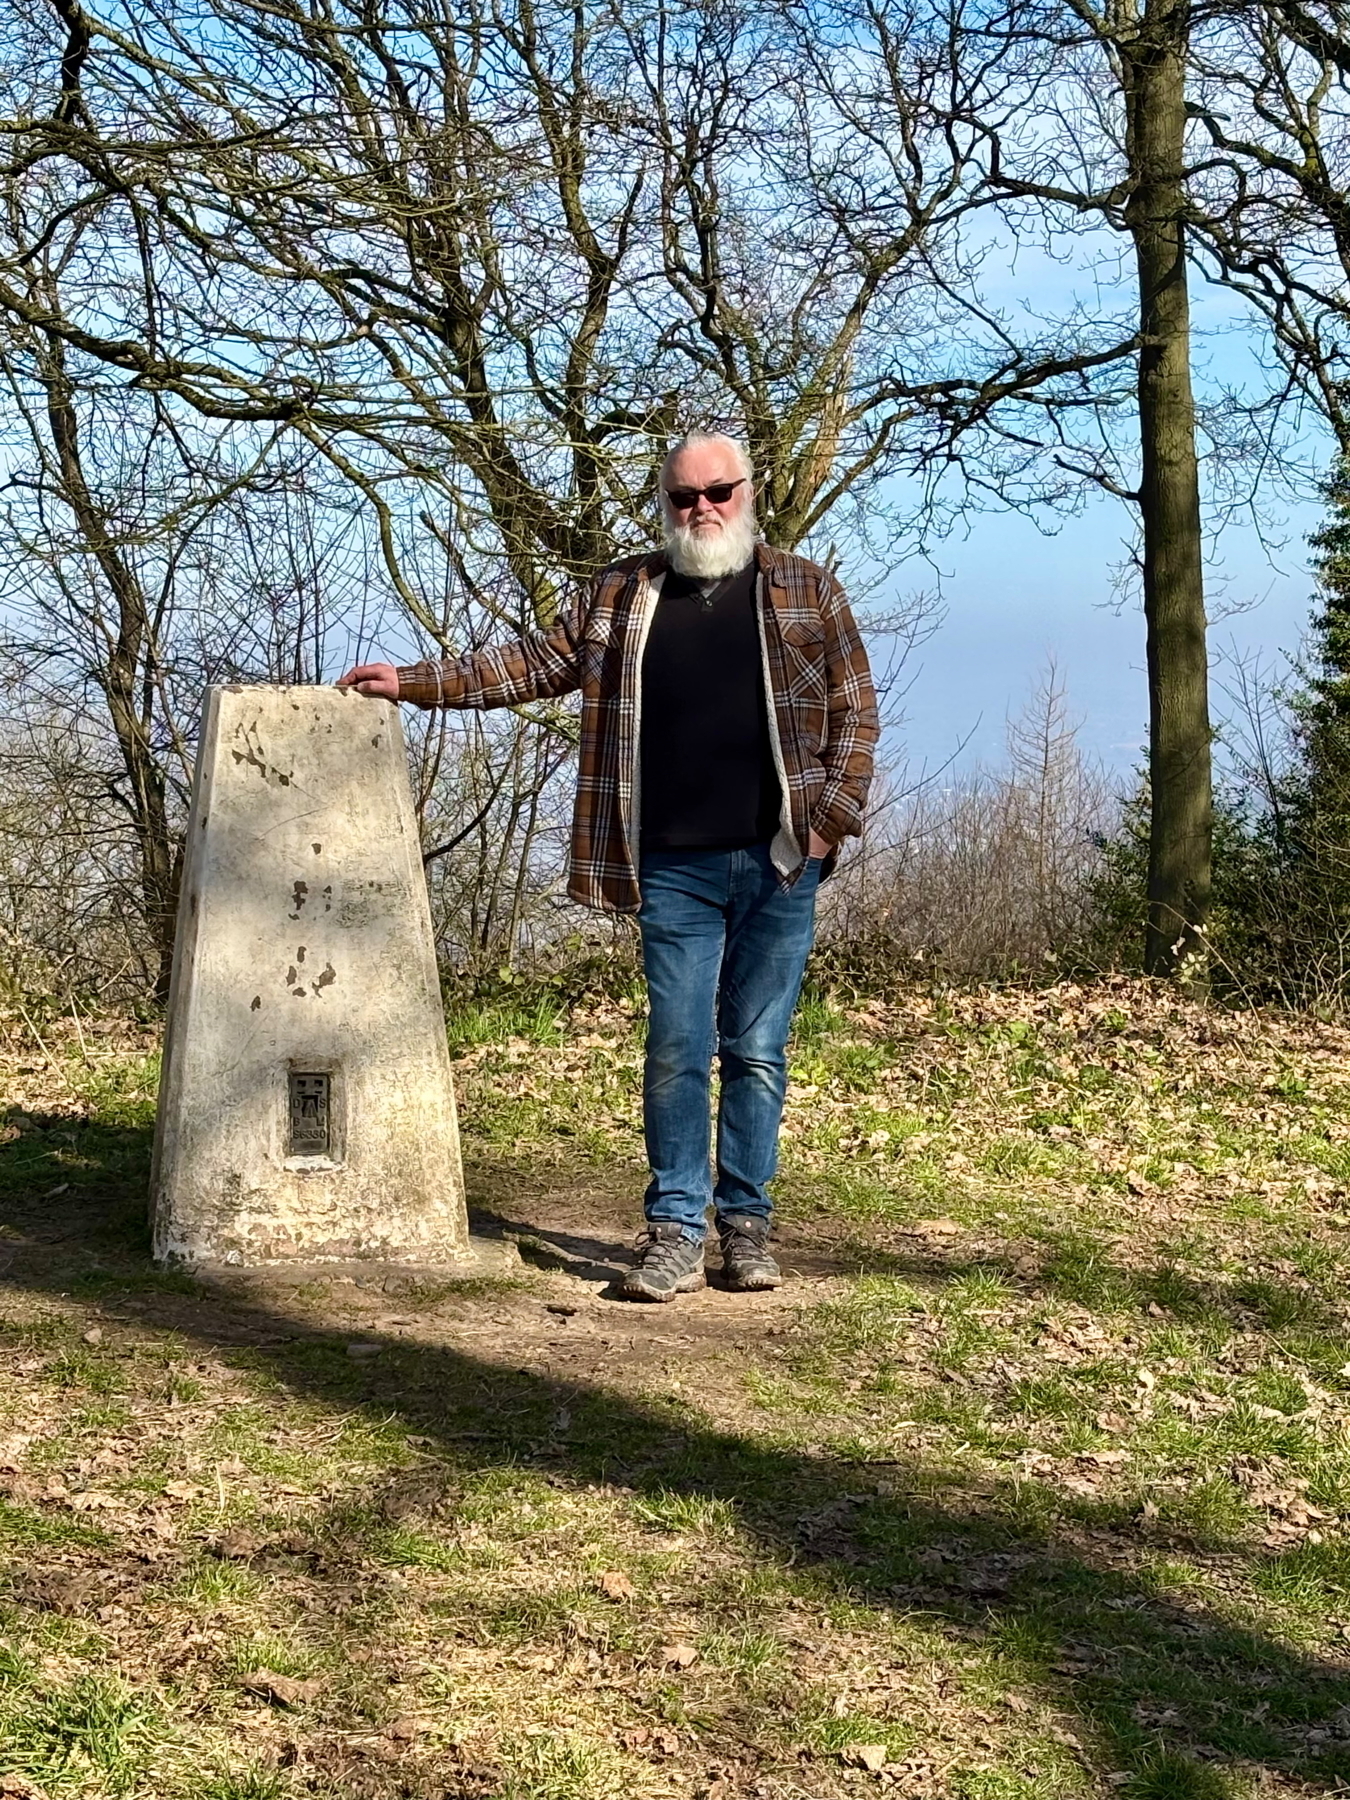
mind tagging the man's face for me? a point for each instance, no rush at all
(703, 466)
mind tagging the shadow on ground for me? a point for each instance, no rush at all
(1176, 1702)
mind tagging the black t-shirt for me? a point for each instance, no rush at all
(708, 776)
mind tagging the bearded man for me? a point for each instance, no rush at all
(728, 724)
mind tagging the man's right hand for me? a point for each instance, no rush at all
(378, 680)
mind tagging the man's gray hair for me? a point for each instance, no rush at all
(693, 440)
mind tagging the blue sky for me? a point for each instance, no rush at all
(1017, 598)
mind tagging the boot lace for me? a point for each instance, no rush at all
(660, 1252)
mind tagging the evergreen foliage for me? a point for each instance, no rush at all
(1279, 929)
(1320, 810)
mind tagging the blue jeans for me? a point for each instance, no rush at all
(724, 946)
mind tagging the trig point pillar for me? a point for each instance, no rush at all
(306, 1112)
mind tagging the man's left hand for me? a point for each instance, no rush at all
(816, 845)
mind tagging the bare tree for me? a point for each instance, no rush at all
(479, 271)
(1075, 113)
(1272, 97)
(502, 252)
(142, 557)
(990, 872)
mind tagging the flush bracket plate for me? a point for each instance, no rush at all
(310, 1114)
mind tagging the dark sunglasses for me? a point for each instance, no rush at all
(683, 498)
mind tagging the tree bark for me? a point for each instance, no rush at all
(122, 675)
(1181, 804)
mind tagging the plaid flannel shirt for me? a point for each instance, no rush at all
(822, 717)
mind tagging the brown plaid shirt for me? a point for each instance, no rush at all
(822, 722)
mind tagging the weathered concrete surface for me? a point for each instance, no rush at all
(306, 1110)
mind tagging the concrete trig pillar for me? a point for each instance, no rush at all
(306, 1112)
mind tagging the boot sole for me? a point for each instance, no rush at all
(687, 1284)
(752, 1284)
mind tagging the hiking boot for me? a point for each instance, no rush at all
(746, 1263)
(668, 1263)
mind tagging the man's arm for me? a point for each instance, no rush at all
(850, 744)
(538, 666)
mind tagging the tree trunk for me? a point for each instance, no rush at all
(1174, 601)
(122, 675)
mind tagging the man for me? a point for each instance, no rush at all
(727, 730)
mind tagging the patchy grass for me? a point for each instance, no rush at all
(1033, 1485)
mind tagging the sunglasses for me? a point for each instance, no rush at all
(683, 498)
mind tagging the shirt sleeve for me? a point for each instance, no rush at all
(540, 665)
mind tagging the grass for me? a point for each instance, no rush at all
(89, 1733)
(1038, 1490)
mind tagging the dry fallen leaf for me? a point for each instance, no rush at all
(678, 1656)
(13, 1451)
(281, 1690)
(615, 1585)
(64, 1591)
(238, 1544)
(865, 1756)
(21, 1787)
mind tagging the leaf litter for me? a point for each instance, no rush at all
(1053, 1413)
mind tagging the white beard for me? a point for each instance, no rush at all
(709, 555)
